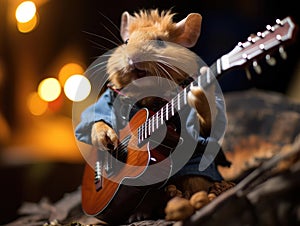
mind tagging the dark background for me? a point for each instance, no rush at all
(87, 26)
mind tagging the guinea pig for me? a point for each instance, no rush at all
(156, 46)
(145, 53)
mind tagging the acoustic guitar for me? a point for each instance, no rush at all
(110, 188)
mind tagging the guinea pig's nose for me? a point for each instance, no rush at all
(130, 62)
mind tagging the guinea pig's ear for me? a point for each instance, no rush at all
(188, 30)
(126, 19)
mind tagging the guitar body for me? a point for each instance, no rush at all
(121, 190)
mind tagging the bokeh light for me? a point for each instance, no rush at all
(25, 11)
(28, 26)
(49, 89)
(36, 105)
(69, 69)
(77, 88)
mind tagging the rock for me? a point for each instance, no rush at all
(260, 124)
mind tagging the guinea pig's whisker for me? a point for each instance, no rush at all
(101, 64)
(167, 58)
(170, 78)
(97, 71)
(111, 22)
(158, 74)
(102, 37)
(166, 72)
(172, 60)
(98, 45)
(169, 66)
(116, 37)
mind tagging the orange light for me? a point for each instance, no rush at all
(25, 11)
(68, 70)
(36, 105)
(28, 26)
(49, 89)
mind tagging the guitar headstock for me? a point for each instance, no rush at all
(261, 45)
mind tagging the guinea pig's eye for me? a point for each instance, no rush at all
(126, 41)
(160, 42)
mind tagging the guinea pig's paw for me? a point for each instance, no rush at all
(178, 209)
(103, 136)
(205, 105)
(218, 188)
(202, 101)
(172, 191)
(199, 199)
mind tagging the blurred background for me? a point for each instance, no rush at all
(45, 47)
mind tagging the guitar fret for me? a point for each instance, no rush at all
(157, 120)
(208, 76)
(172, 107)
(145, 130)
(139, 135)
(184, 96)
(219, 69)
(162, 116)
(178, 101)
(149, 127)
(153, 124)
(167, 111)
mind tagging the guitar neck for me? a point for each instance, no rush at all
(256, 46)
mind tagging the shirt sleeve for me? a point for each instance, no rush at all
(100, 111)
(210, 145)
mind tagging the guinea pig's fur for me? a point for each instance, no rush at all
(145, 52)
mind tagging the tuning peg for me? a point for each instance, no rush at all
(279, 22)
(260, 34)
(270, 28)
(256, 67)
(270, 60)
(251, 38)
(248, 74)
(282, 53)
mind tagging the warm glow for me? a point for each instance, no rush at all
(25, 11)
(28, 26)
(49, 89)
(77, 87)
(68, 70)
(36, 105)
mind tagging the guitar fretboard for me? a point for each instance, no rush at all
(177, 103)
